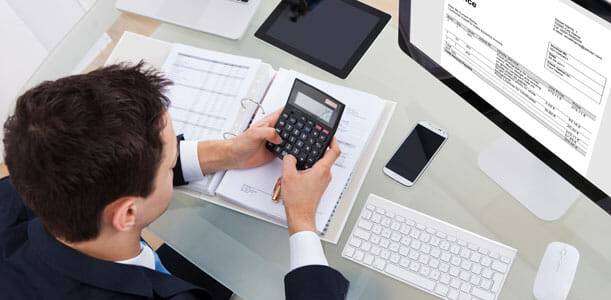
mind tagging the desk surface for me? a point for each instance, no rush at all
(251, 257)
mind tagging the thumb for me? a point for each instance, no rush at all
(289, 166)
(267, 133)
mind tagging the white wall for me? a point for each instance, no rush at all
(29, 30)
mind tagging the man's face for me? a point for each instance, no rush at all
(153, 206)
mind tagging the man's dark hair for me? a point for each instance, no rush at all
(77, 144)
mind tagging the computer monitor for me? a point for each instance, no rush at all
(541, 71)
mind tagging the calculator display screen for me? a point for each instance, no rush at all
(314, 107)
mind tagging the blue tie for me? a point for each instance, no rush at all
(158, 265)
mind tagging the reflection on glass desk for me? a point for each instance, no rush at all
(251, 257)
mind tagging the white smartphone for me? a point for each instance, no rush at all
(415, 153)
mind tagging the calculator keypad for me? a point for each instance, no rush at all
(301, 137)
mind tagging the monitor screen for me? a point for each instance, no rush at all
(542, 64)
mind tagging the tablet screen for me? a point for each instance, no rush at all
(332, 34)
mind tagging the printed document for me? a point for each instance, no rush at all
(543, 64)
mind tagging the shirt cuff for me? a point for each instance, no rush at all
(306, 250)
(189, 161)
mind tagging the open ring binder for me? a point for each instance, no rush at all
(253, 101)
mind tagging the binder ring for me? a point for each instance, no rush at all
(242, 102)
(230, 134)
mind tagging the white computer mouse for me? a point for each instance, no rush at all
(556, 272)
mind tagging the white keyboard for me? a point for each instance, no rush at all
(427, 253)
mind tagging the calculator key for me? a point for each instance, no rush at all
(302, 118)
(325, 131)
(299, 125)
(307, 166)
(285, 116)
(299, 144)
(278, 130)
(278, 149)
(289, 127)
(303, 137)
(284, 153)
(282, 143)
(281, 123)
(312, 141)
(322, 138)
(310, 160)
(288, 147)
(319, 145)
(292, 120)
(296, 132)
(301, 158)
(315, 153)
(311, 124)
(318, 127)
(295, 151)
(307, 148)
(307, 129)
(315, 133)
(285, 135)
(292, 139)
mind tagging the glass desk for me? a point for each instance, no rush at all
(251, 256)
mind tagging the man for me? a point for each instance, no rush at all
(94, 158)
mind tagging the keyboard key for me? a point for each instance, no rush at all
(505, 259)
(394, 247)
(445, 278)
(477, 292)
(410, 277)
(442, 289)
(453, 294)
(466, 287)
(358, 255)
(384, 243)
(434, 274)
(496, 282)
(355, 242)
(403, 250)
(455, 283)
(377, 229)
(363, 234)
(444, 268)
(375, 250)
(366, 246)
(349, 251)
(395, 258)
(395, 236)
(486, 284)
(365, 224)
(487, 273)
(486, 261)
(499, 266)
(368, 259)
(414, 266)
(379, 263)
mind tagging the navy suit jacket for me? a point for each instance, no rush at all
(34, 265)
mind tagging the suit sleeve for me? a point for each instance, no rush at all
(12, 209)
(315, 282)
(179, 178)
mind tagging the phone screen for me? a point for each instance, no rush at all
(415, 152)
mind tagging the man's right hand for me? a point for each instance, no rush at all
(301, 190)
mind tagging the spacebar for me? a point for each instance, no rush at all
(410, 277)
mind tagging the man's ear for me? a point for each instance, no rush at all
(121, 214)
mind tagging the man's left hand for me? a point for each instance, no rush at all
(248, 149)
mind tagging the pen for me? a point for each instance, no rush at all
(276, 191)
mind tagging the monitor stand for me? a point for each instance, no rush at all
(545, 193)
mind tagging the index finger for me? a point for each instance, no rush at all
(331, 155)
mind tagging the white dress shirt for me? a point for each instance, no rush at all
(304, 246)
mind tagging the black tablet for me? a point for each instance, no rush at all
(331, 34)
